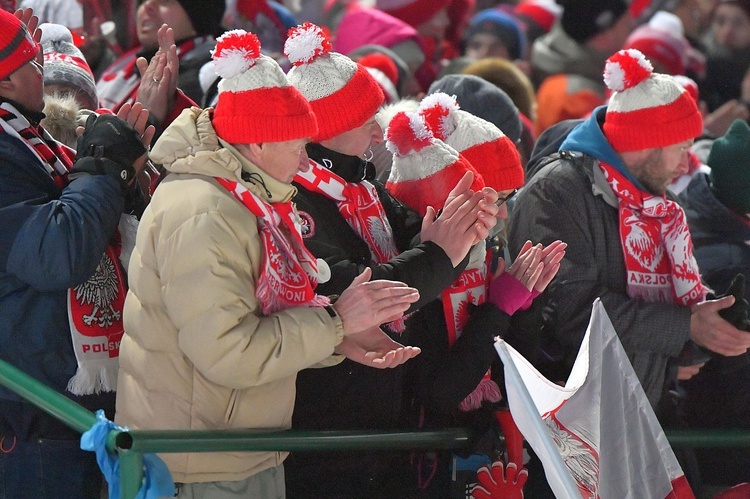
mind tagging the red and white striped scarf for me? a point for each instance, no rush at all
(656, 245)
(94, 307)
(289, 272)
(360, 206)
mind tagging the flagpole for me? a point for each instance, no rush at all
(513, 377)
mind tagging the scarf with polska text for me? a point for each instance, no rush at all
(470, 288)
(289, 272)
(656, 245)
(94, 307)
(360, 206)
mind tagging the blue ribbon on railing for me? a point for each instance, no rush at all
(157, 481)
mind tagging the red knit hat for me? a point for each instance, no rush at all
(543, 12)
(256, 102)
(16, 44)
(424, 168)
(341, 92)
(646, 110)
(487, 148)
(384, 70)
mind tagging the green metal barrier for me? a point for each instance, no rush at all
(130, 445)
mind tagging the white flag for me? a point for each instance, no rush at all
(597, 436)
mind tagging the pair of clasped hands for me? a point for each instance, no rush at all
(465, 220)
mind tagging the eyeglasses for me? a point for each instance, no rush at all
(507, 198)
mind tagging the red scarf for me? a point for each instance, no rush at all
(288, 274)
(94, 307)
(469, 288)
(360, 206)
(656, 245)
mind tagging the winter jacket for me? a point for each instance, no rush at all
(350, 395)
(51, 239)
(569, 199)
(197, 353)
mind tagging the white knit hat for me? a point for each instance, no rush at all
(486, 147)
(424, 169)
(341, 92)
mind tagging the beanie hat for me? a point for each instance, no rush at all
(384, 70)
(65, 65)
(413, 12)
(501, 25)
(402, 70)
(646, 110)
(509, 78)
(583, 19)
(481, 98)
(16, 44)
(729, 160)
(256, 102)
(424, 169)
(543, 13)
(205, 16)
(662, 40)
(491, 153)
(341, 92)
(690, 86)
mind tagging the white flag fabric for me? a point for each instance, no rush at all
(597, 434)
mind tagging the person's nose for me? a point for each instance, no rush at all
(304, 161)
(502, 212)
(377, 134)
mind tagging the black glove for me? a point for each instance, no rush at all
(736, 315)
(108, 146)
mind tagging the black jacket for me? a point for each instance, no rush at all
(350, 395)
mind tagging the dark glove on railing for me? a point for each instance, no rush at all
(108, 146)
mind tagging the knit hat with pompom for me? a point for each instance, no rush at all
(646, 110)
(341, 92)
(256, 102)
(424, 169)
(488, 149)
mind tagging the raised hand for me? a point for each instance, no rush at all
(366, 304)
(466, 219)
(137, 117)
(373, 348)
(158, 88)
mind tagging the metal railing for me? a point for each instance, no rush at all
(130, 445)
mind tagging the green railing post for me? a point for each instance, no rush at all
(72, 414)
(131, 473)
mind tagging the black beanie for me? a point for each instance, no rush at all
(582, 19)
(205, 15)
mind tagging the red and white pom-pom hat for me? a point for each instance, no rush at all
(256, 101)
(646, 110)
(486, 147)
(341, 92)
(424, 168)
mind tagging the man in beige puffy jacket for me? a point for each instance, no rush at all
(222, 311)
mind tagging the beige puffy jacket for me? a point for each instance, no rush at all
(197, 354)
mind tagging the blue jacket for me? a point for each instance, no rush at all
(50, 240)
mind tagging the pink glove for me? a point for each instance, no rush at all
(508, 294)
(499, 481)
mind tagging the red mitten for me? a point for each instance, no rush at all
(508, 294)
(500, 482)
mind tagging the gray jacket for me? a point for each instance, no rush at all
(569, 199)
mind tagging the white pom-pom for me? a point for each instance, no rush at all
(626, 69)
(439, 112)
(236, 51)
(305, 43)
(55, 33)
(439, 99)
(407, 132)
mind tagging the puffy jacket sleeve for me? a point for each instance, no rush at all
(52, 239)
(207, 280)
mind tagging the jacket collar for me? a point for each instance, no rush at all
(349, 168)
(258, 181)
